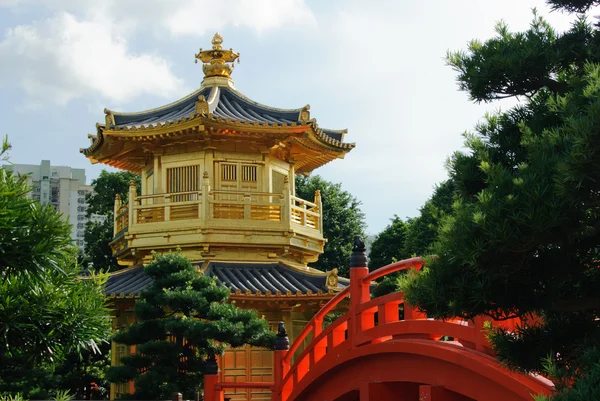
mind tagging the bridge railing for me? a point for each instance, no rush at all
(368, 321)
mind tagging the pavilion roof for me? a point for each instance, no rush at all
(248, 279)
(215, 111)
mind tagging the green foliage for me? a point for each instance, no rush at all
(414, 238)
(182, 319)
(342, 221)
(46, 312)
(10, 397)
(386, 285)
(522, 237)
(578, 6)
(63, 395)
(422, 231)
(101, 202)
(332, 316)
(388, 246)
(25, 251)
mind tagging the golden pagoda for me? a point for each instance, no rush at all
(217, 172)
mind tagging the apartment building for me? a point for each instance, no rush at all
(64, 188)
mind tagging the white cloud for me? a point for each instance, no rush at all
(83, 48)
(192, 17)
(187, 17)
(63, 58)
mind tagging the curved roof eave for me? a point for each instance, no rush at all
(225, 105)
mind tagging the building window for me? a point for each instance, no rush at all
(80, 225)
(81, 200)
(80, 234)
(81, 209)
(80, 192)
(81, 217)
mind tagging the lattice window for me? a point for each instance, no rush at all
(183, 179)
(228, 172)
(249, 173)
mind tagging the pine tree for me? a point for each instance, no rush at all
(523, 234)
(182, 320)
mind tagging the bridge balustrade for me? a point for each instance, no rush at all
(369, 321)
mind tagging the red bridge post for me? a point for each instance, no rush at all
(280, 366)
(212, 392)
(359, 291)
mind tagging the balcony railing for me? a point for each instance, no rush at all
(206, 205)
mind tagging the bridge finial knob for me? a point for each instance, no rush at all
(210, 365)
(282, 342)
(359, 253)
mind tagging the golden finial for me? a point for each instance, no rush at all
(216, 58)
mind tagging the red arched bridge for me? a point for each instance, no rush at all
(373, 353)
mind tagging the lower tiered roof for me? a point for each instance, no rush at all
(256, 279)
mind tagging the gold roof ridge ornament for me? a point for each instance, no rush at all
(215, 60)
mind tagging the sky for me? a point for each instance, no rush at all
(375, 67)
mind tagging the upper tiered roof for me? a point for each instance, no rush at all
(219, 109)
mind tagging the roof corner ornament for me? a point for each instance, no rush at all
(215, 60)
(109, 118)
(305, 114)
(201, 106)
(359, 253)
(332, 279)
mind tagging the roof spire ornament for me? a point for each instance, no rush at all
(215, 60)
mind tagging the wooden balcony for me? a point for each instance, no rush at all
(214, 211)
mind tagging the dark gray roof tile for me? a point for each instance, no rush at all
(255, 277)
(230, 105)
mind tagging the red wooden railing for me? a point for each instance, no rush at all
(358, 327)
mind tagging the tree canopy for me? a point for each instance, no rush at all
(46, 312)
(101, 202)
(182, 320)
(415, 237)
(342, 221)
(522, 237)
(389, 244)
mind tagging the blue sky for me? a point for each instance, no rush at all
(376, 68)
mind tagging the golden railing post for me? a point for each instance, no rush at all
(319, 203)
(247, 200)
(167, 210)
(116, 216)
(286, 208)
(204, 203)
(132, 211)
